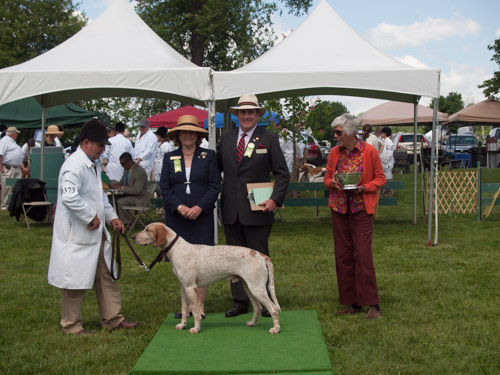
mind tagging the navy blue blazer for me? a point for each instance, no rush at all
(204, 180)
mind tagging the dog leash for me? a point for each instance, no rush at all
(115, 248)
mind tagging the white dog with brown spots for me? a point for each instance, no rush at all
(201, 265)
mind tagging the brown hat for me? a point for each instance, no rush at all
(247, 101)
(53, 130)
(94, 130)
(186, 123)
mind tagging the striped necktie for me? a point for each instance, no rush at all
(241, 148)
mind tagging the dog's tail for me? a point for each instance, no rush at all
(270, 283)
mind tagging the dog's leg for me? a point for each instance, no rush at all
(192, 302)
(184, 310)
(260, 294)
(257, 308)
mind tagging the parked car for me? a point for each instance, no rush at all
(404, 142)
(315, 154)
(494, 133)
(325, 147)
(459, 143)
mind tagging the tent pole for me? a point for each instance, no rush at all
(42, 154)
(431, 171)
(415, 175)
(211, 144)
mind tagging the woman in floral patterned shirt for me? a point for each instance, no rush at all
(352, 217)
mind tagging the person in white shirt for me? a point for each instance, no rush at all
(164, 147)
(11, 157)
(111, 156)
(57, 139)
(387, 156)
(371, 139)
(146, 145)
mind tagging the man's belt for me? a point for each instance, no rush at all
(11, 166)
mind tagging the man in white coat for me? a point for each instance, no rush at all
(111, 156)
(146, 145)
(81, 253)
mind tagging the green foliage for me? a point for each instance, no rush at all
(129, 110)
(439, 304)
(450, 105)
(492, 85)
(320, 118)
(293, 114)
(223, 35)
(32, 27)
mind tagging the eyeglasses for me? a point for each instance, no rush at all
(338, 133)
(122, 163)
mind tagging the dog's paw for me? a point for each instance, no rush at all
(194, 330)
(251, 323)
(180, 326)
(274, 330)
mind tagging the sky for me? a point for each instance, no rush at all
(451, 35)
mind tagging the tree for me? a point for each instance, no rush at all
(320, 118)
(223, 35)
(29, 28)
(492, 85)
(450, 105)
(293, 113)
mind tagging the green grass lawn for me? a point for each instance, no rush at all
(440, 305)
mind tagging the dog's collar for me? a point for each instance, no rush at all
(171, 244)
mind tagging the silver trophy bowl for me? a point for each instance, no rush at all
(349, 180)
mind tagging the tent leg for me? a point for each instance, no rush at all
(415, 171)
(431, 172)
(211, 143)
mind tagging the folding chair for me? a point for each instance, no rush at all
(141, 213)
(30, 200)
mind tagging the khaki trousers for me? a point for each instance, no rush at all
(108, 299)
(12, 172)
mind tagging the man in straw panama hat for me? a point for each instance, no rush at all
(249, 154)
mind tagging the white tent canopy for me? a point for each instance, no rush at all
(115, 55)
(325, 56)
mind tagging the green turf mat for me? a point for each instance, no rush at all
(226, 346)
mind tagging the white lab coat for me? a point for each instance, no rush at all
(75, 248)
(119, 145)
(145, 148)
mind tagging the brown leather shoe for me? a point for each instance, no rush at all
(84, 332)
(351, 311)
(127, 325)
(373, 313)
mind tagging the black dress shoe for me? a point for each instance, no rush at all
(266, 313)
(234, 312)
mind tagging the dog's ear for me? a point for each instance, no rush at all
(161, 235)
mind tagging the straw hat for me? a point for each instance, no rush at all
(12, 129)
(53, 130)
(186, 123)
(247, 101)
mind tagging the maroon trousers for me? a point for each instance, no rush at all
(352, 236)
